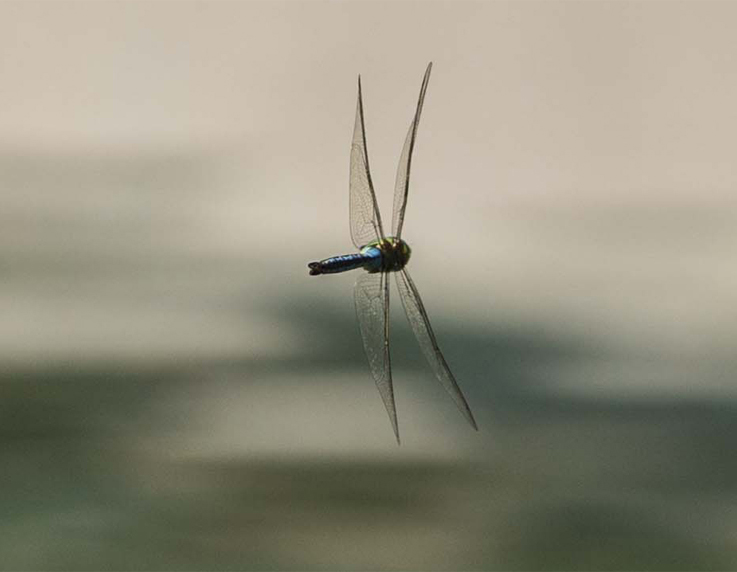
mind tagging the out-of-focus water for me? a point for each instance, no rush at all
(175, 391)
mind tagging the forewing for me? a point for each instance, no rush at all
(372, 308)
(401, 186)
(420, 323)
(364, 215)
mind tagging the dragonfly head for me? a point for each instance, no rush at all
(405, 252)
(396, 253)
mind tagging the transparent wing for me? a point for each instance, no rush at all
(364, 211)
(401, 186)
(372, 308)
(420, 323)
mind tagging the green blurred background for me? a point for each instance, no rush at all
(177, 394)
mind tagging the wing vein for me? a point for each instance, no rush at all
(418, 319)
(365, 219)
(371, 295)
(401, 185)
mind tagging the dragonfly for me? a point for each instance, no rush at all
(380, 256)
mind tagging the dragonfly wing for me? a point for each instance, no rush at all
(364, 211)
(401, 186)
(372, 308)
(420, 323)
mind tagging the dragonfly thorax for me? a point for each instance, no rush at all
(395, 253)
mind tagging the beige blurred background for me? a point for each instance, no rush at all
(176, 393)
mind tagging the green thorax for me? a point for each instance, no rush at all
(395, 253)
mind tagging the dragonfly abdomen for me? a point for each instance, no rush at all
(368, 258)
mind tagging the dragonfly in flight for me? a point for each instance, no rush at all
(380, 256)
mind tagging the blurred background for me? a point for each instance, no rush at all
(177, 394)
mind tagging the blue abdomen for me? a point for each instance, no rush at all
(341, 263)
(369, 258)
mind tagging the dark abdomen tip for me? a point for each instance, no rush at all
(315, 268)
